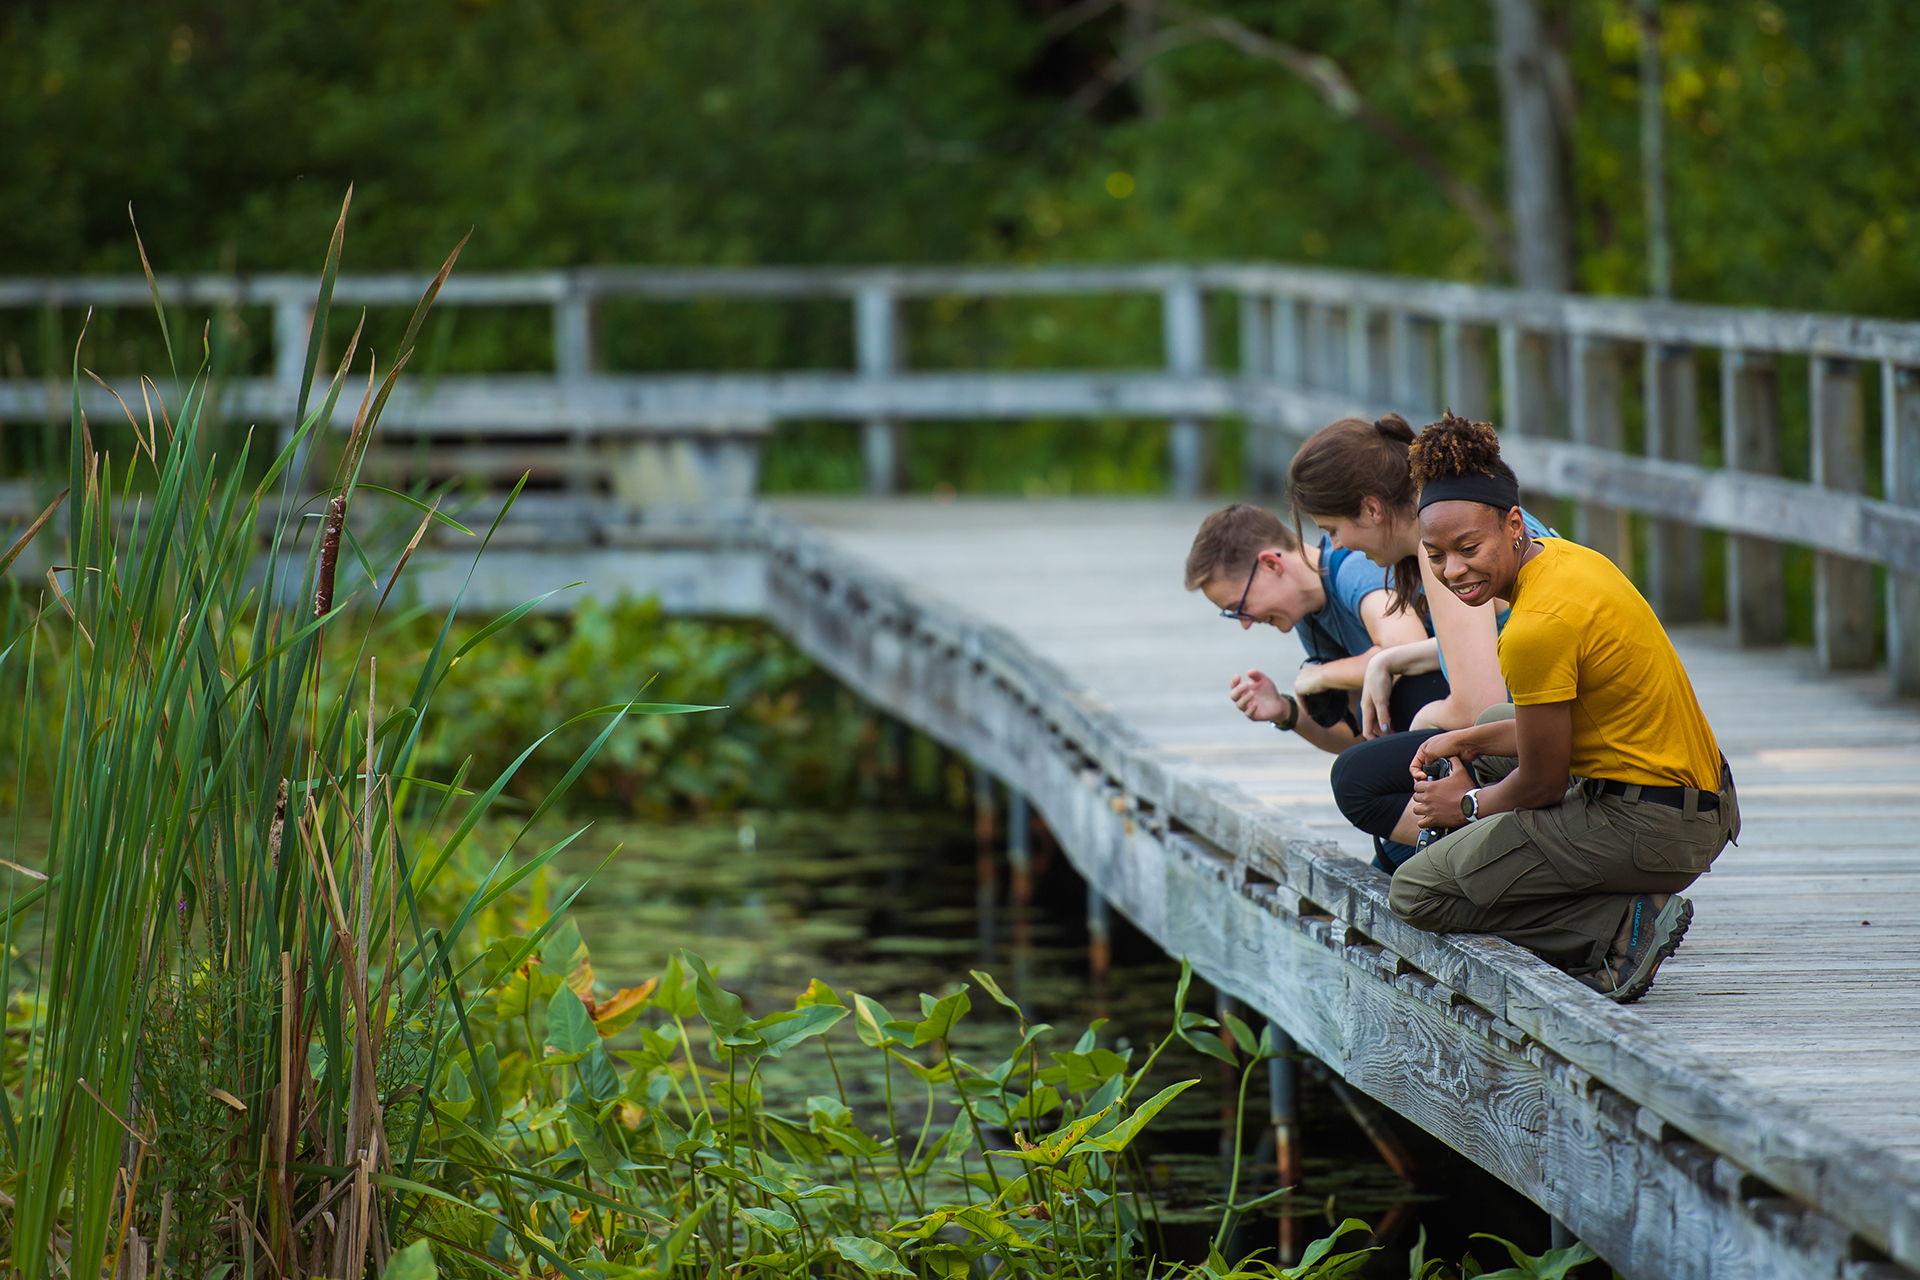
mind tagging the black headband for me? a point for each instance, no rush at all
(1495, 491)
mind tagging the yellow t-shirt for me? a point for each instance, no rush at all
(1579, 631)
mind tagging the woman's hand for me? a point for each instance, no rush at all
(1257, 698)
(1312, 679)
(1458, 746)
(1436, 802)
(1376, 716)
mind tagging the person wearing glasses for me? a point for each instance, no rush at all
(1579, 813)
(1255, 570)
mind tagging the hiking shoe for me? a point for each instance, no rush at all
(1626, 977)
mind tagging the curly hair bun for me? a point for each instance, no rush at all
(1455, 446)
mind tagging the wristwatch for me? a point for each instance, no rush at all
(1470, 805)
(1293, 719)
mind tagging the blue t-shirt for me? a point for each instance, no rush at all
(1534, 529)
(1335, 630)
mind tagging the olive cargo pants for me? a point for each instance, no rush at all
(1559, 881)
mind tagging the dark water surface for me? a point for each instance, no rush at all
(884, 902)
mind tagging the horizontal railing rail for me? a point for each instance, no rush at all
(1558, 373)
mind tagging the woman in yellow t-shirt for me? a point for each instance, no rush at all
(1583, 810)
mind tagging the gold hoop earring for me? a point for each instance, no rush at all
(1516, 544)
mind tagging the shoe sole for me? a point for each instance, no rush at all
(1669, 929)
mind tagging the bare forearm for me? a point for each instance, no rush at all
(1346, 673)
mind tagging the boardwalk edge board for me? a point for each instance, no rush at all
(1668, 1164)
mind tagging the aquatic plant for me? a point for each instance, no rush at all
(224, 1006)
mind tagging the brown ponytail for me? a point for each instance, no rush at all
(1352, 459)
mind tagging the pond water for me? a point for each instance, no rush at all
(883, 901)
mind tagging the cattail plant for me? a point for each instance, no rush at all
(240, 1009)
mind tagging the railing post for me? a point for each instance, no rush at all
(1528, 403)
(576, 356)
(576, 334)
(1673, 433)
(1842, 588)
(1359, 356)
(876, 334)
(1410, 366)
(1285, 364)
(1316, 359)
(1750, 443)
(1900, 443)
(1267, 453)
(1466, 380)
(1594, 406)
(1185, 331)
(292, 323)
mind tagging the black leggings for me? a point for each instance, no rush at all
(1410, 693)
(1372, 782)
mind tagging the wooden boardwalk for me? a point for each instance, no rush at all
(1782, 1036)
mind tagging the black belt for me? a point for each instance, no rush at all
(1672, 797)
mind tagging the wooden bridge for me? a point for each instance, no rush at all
(1757, 1115)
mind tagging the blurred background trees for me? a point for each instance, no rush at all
(729, 131)
(1380, 134)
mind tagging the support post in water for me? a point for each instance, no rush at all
(1099, 948)
(1020, 888)
(986, 873)
(1283, 1108)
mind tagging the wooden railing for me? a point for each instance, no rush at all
(1555, 372)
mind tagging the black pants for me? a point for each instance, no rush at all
(1410, 693)
(1372, 784)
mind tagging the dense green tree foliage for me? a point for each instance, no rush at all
(858, 130)
(752, 131)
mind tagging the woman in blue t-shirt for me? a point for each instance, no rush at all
(1254, 569)
(1353, 480)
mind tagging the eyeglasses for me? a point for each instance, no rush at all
(1239, 612)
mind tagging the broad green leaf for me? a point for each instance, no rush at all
(570, 1027)
(722, 1009)
(947, 1261)
(1243, 1037)
(454, 1098)
(771, 1219)
(992, 988)
(1211, 1045)
(1128, 1129)
(1552, 1265)
(870, 1256)
(781, 1031)
(1321, 1248)
(941, 1018)
(870, 1018)
(990, 1226)
(415, 1262)
(818, 992)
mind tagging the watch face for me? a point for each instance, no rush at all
(1469, 803)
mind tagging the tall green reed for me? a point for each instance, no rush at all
(230, 867)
